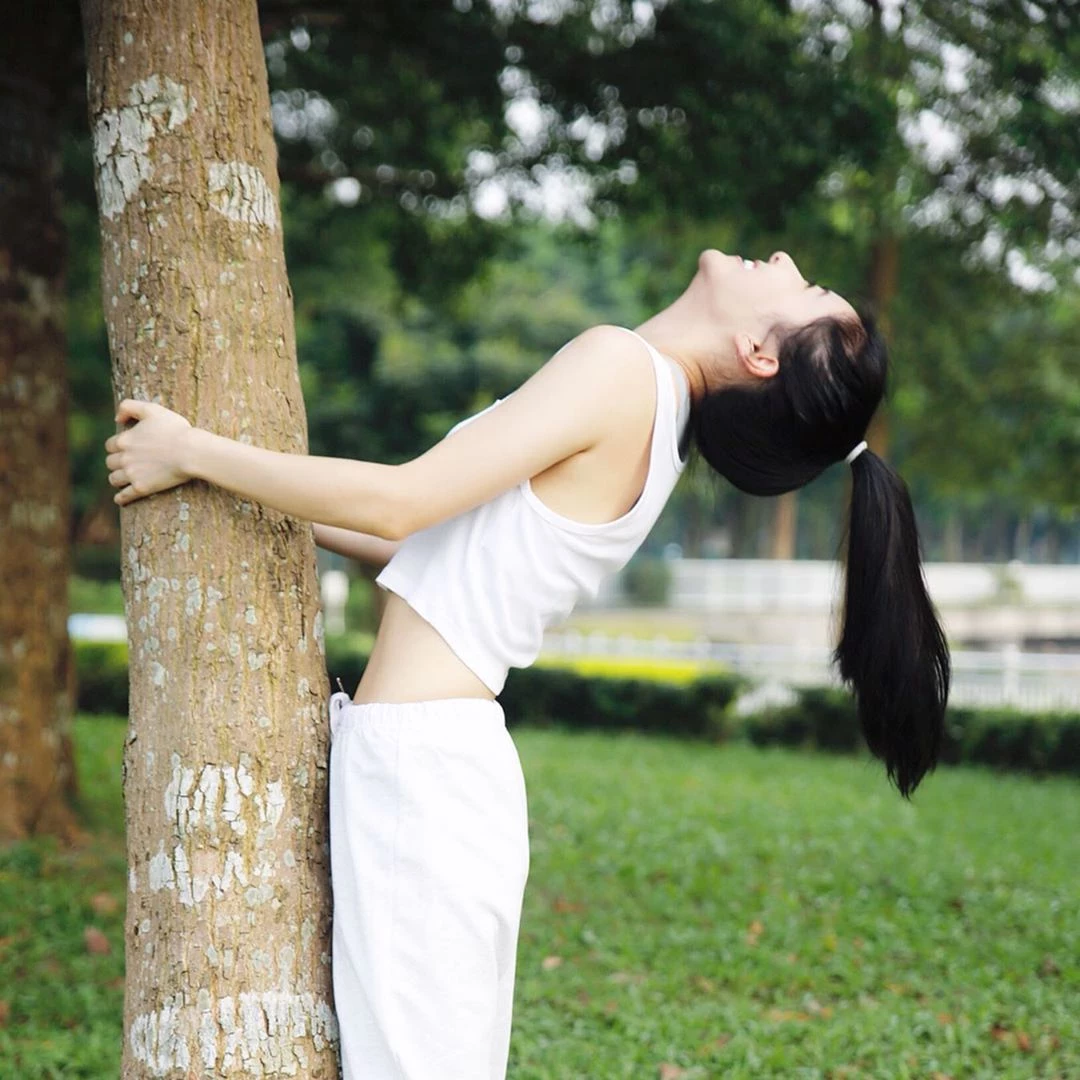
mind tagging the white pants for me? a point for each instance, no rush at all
(429, 854)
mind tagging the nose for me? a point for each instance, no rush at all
(782, 258)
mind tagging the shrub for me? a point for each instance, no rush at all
(646, 580)
(96, 562)
(820, 718)
(101, 677)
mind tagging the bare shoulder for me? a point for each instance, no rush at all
(606, 368)
(604, 348)
(625, 378)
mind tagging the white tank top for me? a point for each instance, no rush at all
(490, 580)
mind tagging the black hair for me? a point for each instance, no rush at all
(780, 434)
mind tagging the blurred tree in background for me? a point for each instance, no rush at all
(467, 185)
(37, 777)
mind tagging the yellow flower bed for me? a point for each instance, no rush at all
(635, 667)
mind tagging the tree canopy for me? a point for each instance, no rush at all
(424, 148)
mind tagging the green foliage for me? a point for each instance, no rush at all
(822, 718)
(742, 125)
(101, 673)
(536, 694)
(1010, 739)
(385, 375)
(96, 562)
(987, 403)
(360, 606)
(552, 695)
(825, 719)
(647, 580)
(95, 597)
(709, 109)
(90, 421)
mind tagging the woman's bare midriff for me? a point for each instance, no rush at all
(411, 661)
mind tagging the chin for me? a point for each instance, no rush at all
(711, 261)
(710, 257)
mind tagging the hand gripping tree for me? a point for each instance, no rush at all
(228, 909)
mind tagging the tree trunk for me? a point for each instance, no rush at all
(37, 774)
(694, 524)
(742, 522)
(228, 915)
(884, 273)
(1054, 529)
(1021, 538)
(954, 537)
(785, 521)
(887, 63)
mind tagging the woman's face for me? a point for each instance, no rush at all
(755, 295)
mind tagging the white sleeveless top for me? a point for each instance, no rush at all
(490, 580)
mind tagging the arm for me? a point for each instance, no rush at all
(360, 496)
(566, 407)
(363, 547)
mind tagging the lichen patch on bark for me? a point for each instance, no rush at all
(122, 138)
(240, 192)
(258, 1031)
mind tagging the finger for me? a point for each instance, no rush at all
(118, 478)
(110, 443)
(114, 461)
(125, 496)
(130, 409)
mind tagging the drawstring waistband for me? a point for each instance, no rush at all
(448, 717)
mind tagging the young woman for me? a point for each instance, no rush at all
(495, 532)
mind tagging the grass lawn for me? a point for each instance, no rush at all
(61, 993)
(691, 913)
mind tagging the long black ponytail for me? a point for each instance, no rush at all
(779, 435)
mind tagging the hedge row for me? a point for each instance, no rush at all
(825, 719)
(537, 695)
(544, 696)
(821, 719)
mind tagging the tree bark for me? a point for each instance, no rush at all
(886, 66)
(228, 916)
(785, 521)
(37, 773)
(954, 537)
(884, 277)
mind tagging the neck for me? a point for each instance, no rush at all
(689, 342)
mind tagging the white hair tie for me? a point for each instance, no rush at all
(855, 453)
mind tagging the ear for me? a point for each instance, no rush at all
(752, 360)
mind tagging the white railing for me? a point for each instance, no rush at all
(1025, 680)
(97, 627)
(801, 585)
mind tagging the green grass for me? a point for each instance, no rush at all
(746, 913)
(100, 597)
(63, 1002)
(726, 912)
